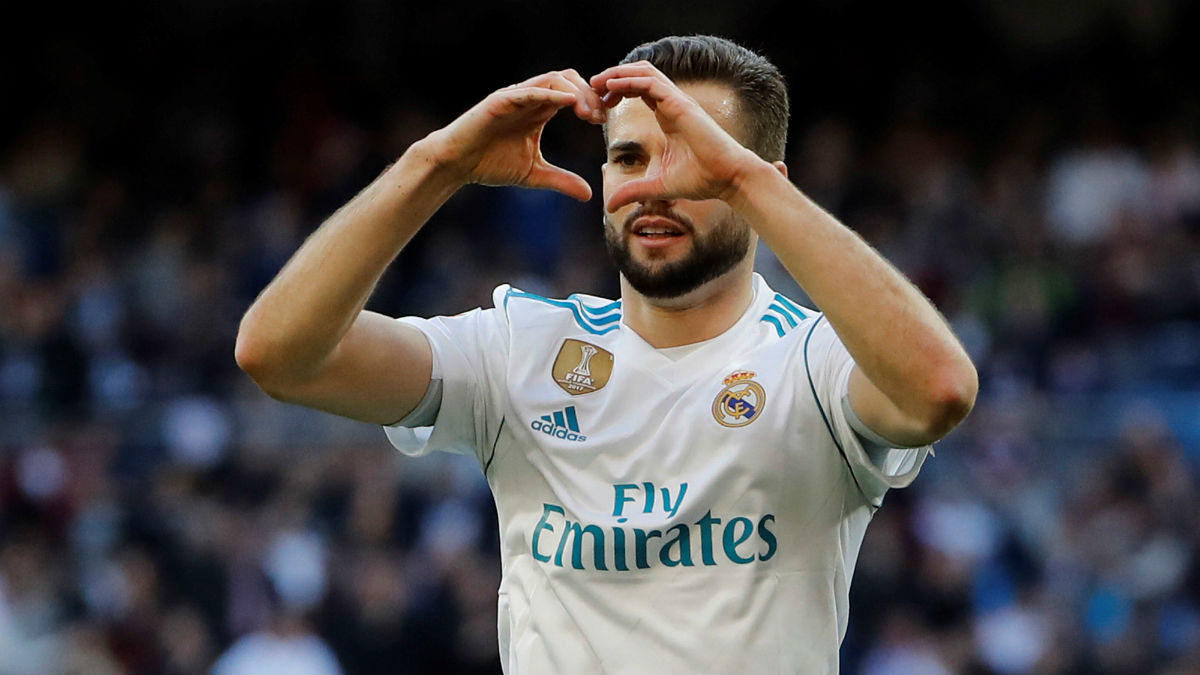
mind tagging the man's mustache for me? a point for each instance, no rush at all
(650, 209)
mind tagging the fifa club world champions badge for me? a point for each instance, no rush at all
(582, 367)
(741, 401)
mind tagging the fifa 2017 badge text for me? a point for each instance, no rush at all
(581, 367)
(711, 540)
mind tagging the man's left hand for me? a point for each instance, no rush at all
(700, 161)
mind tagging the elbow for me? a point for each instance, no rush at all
(279, 372)
(250, 355)
(253, 356)
(950, 401)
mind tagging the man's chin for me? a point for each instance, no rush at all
(655, 260)
(663, 282)
(673, 271)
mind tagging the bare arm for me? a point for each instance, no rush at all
(307, 338)
(913, 381)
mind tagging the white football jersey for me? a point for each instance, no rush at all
(661, 511)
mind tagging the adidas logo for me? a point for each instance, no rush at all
(560, 424)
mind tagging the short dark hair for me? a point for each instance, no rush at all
(761, 90)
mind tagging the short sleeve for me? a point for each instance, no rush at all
(828, 365)
(470, 353)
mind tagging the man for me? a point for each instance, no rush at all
(683, 477)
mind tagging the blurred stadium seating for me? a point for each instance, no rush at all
(1036, 170)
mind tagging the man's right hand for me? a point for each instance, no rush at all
(498, 141)
(307, 338)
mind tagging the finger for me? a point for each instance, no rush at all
(528, 97)
(587, 102)
(640, 79)
(650, 89)
(560, 82)
(598, 112)
(600, 80)
(542, 79)
(550, 177)
(640, 190)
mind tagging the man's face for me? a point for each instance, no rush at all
(668, 248)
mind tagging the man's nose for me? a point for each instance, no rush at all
(657, 205)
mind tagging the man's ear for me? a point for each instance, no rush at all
(781, 167)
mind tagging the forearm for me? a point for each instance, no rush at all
(302, 315)
(897, 338)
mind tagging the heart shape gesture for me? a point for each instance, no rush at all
(498, 141)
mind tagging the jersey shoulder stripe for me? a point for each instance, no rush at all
(614, 306)
(792, 307)
(595, 319)
(784, 315)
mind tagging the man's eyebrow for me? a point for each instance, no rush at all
(626, 146)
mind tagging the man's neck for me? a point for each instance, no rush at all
(700, 315)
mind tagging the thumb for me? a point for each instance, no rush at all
(640, 190)
(550, 177)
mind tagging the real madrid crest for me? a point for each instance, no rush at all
(741, 401)
(581, 367)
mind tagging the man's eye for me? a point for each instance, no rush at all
(626, 160)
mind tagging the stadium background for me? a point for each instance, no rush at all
(1033, 166)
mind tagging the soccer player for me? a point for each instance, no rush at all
(683, 476)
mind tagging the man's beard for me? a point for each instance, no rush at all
(711, 256)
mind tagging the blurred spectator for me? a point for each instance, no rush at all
(1036, 172)
(286, 646)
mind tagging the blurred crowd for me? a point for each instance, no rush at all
(159, 514)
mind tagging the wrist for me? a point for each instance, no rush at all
(752, 176)
(437, 158)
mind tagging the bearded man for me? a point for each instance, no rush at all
(683, 476)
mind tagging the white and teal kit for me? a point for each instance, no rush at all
(687, 510)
